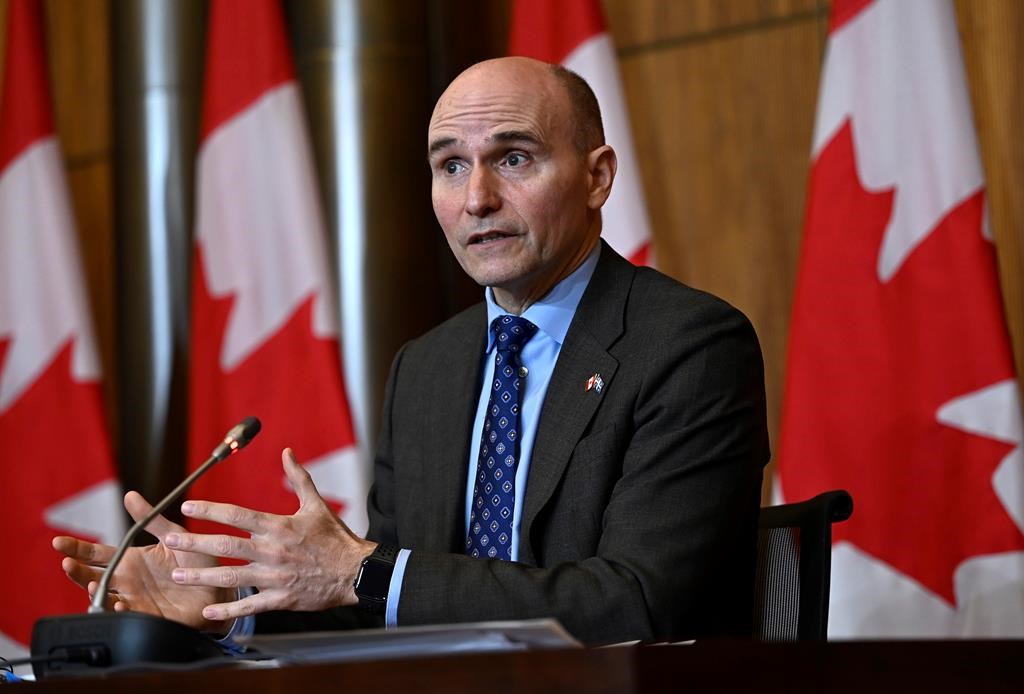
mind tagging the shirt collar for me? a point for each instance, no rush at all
(553, 313)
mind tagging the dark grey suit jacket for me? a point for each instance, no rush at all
(641, 505)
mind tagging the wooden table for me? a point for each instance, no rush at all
(871, 666)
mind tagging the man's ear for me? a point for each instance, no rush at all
(601, 166)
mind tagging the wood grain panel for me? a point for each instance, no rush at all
(991, 31)
(723, 131)
(638, 22)
(78, 51)
(91, 188)
(78, 44)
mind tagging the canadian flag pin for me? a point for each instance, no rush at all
(595, 382)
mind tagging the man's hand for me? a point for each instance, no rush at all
(142, 581)
(306, 561)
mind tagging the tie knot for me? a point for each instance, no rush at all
(511, 332)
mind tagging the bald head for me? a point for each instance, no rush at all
(569, 96)
(585, 110)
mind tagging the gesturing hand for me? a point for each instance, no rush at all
(305, 561)
(142, 581)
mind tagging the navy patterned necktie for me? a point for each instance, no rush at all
(494, 492)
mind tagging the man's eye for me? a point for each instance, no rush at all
(515, 159)
(452, 167)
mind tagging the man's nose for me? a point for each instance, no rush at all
(482, 196)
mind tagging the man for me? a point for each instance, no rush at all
(595, 456)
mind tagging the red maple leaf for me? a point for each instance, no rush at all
(53, 445)
(843, 11)
(870, 365)
(292, 382)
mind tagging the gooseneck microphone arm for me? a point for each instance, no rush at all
(239, 435)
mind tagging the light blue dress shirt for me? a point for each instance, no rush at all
(552, 315)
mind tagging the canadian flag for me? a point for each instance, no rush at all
(573, 33)
(264, 326)
(900, 383)
(54, 448)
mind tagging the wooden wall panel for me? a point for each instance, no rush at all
(78, 48)
(991, 32)
(638, 23)
(723, 129)
(78, 44)
(90, 184)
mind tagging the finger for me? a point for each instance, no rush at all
(213, 545)
(110, 602)
(86, 552)
(138, 508)
(218, 576)
(79, 573)
(253, 604)
(300, 479)
(228, 514)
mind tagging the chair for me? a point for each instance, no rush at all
(794, 566)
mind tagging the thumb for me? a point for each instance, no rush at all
(138, 507)
(300, 479)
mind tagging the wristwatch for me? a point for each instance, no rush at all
(374, 578)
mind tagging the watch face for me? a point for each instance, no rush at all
(374, 577)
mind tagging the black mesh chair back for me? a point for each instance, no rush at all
(794, 567)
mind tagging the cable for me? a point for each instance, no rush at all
(92, 655)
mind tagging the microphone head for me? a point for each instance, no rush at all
(250, 426)
(238, 437)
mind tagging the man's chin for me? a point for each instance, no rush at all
(494, 274)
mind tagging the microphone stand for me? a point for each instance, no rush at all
(96, 605)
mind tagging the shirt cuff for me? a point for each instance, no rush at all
(395, 589)
(243, 628)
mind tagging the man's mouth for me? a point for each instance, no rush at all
(488, 237)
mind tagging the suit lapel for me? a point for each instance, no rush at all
(451, 418)
(569, 405)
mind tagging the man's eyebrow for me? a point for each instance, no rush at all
(503, 136)
(437, 145)
(515, 136)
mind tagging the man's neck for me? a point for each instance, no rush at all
(511, 303)
(516, 302)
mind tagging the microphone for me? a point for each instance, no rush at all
(101, 638)
(237, 438)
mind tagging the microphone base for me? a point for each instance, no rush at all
(93, 642)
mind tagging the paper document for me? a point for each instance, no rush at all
(401, 642)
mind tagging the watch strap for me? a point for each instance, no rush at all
(385, 553)
(373, 592)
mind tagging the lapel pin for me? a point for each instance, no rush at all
(595, 382)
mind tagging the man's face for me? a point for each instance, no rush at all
(510, 189)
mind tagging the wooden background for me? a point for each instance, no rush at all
(722, 95)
